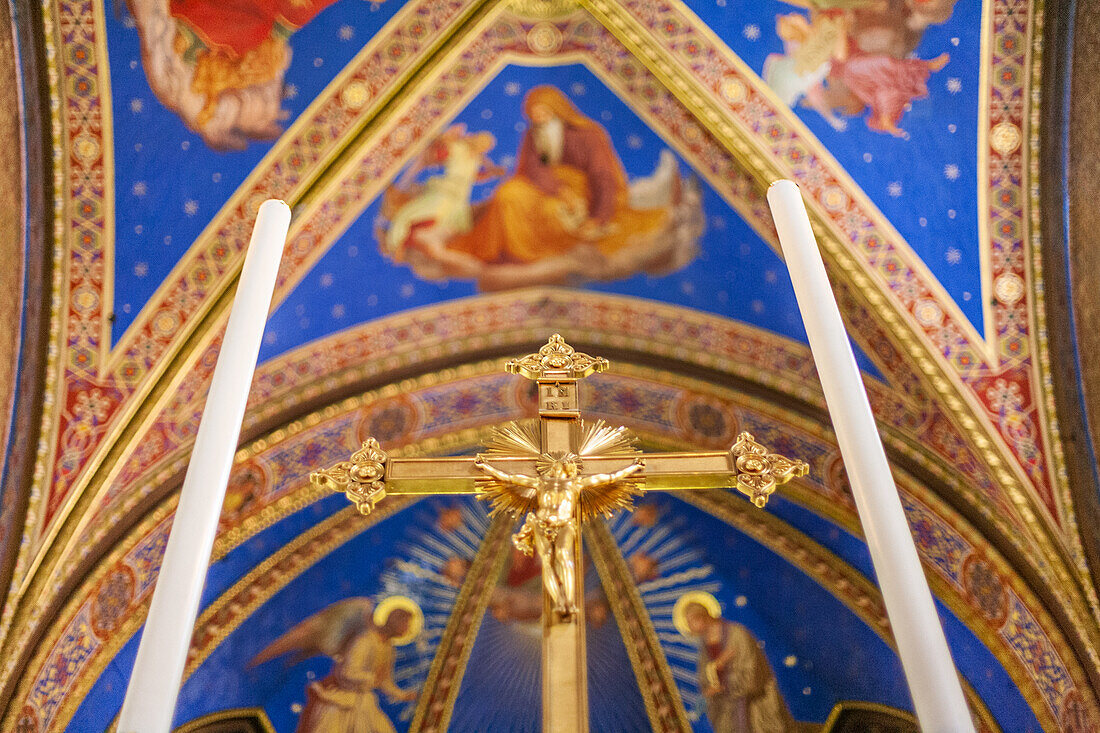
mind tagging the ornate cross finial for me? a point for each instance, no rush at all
(362, 479)
(759, 471)
(558, 472)
(557, 360)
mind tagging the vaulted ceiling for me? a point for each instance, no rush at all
(151, 130)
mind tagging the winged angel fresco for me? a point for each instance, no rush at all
(567, 213)
(359, 637)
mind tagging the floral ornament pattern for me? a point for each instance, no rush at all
(557, 359)
(362, 479)
(760, 472)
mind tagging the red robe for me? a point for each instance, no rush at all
(587, 150)
(238, 26)
(532, 215)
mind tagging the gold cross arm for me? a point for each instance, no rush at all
(572, 467)
(372, 474)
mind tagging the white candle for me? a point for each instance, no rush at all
(922, 647)
(154, 684)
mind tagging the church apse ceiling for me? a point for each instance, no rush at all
(408, 139)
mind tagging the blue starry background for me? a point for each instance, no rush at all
(925, 185)
(169, 185)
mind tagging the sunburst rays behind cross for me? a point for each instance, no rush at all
(430, 565)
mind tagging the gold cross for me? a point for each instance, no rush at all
(557, 472)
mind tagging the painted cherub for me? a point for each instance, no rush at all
(880, 73)
(810, 46)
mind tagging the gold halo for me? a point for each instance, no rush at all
(704, 599)
(393, 603)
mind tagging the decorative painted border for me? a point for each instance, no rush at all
(492, 322)
(95, 388)
(1012, 392)
(1031, 661)
(655, 23)
(346, 197)
(97, 404)
(662, 698)
(75, 644)
(581, 36)
(707, 337)
(695, 64)
(90, 399)
(433, 710)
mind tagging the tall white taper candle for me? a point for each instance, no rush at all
(154, 684)
(933, 681)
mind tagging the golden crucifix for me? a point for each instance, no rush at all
(558, 472)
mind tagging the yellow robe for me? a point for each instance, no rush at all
(344, 701)
(748, 700)
(540, 211)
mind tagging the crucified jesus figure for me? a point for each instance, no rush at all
(551, 530)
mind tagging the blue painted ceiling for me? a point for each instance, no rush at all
(169, 184)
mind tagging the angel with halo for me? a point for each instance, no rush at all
(556, 501)
(360, 638)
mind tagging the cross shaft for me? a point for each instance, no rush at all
(558, 474)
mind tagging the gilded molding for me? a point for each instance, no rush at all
(437, 702)
(662, 698)
(848, 585)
